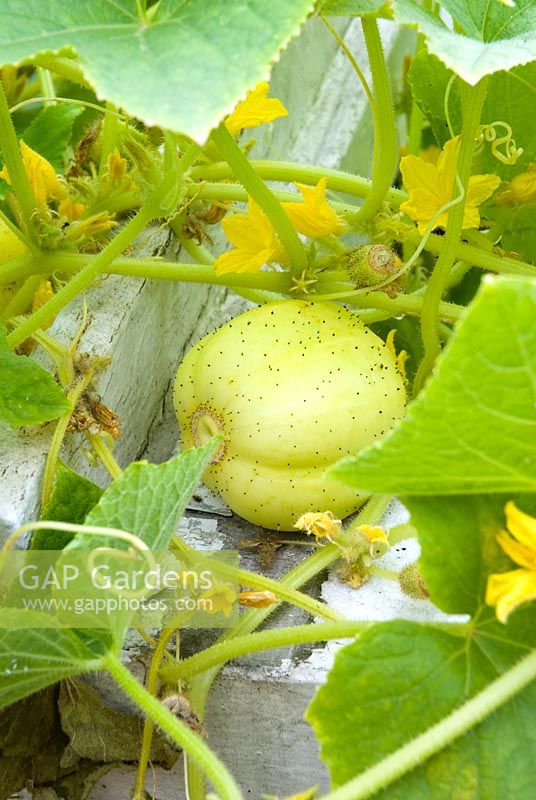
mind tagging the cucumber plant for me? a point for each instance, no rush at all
(392, 352)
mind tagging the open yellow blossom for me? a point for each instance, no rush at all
(43, 179)
(521, 189)
(220, 597)
(255, 242)
(256, 109)
(322, 524)
(430, 186)
(314, 217)
(508, 590)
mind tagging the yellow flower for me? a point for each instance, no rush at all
(221, 597)
(508, 590)
(255, 241)
(43, 179)
(521, 189)
(71, 209)
(256, 109)
(377, 539)
(430, 186)
(314, 217)
(322, 524)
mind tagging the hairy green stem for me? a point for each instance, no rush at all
(17, 174)
(299, 575)
(105, 455)
(84, 279)
(246, 578)
(148, 727)
(262, 195)
(439, 736)
(109, 136)
(59, 435)
(22, 298)
(65, 67)
(227, 650)
(385, 139)
(196, 749)
(442, 269)
(287, 171)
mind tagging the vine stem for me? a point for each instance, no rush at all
(262, 195)
(441, 735)
(109, 136)
(443, 267)
(299, 575)
(105, 455)
(225, 651)
(246, 578)
(285, 171)
(15, 166)
(385, 141)
(148, 727)
(82, 281)
(199, 753)
(59, 435)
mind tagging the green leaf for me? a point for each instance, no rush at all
(494, 37)
(50, 132)
(29, 395)
(32, 658)
(457, 536)
(183, 68)
(398, 679)
(148, 500)
(72, 499)
(521, 234)
(506, 100)
(354, 8)
(472, 429)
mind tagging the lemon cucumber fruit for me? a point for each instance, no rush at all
(292, 387)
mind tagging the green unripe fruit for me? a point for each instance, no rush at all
(293, 387)
(371, 264)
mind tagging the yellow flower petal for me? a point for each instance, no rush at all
(71, 210)
(321, 524)
(522, 555)
(43, 179)
(314, 217)
(256, 109)
(509, 590)
(430, 187)
(255, 241)
(521, 525)
(480, 188)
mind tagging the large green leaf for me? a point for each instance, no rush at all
(32, 658)
(473, 428)
(399, 678)
(506, 99)
(148, 500)
(29, 395)
(458, 539)
(493, 36)
(49, 133)
(353, 8)
(72, 499)
(183, 68)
